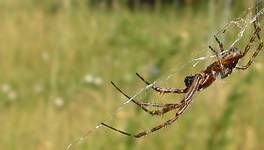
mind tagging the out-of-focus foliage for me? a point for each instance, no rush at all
(58, 56)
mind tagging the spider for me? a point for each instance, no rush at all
(226, 62)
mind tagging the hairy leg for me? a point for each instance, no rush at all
(221, 46)
(165, 107)
(244, 67)
(217, 56)
(161, 89)
(252, 39)
(185, 103)
(248, 46)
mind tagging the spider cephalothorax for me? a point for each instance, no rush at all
(229, 60)
(223, 66)
(232, 53)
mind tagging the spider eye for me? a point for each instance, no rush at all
(188, 80)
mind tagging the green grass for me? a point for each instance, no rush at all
(47, 52)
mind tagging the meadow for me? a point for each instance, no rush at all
(57, 61)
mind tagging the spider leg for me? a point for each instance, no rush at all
(166, 107)
(161, 89)
(251, 59)
(152, 104)
(256, 34)
(256, 25)
(221, 46)
(137, 102)
(252, 39)
(214, 51)
(185, 103)
(217, 55)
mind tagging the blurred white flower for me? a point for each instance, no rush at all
(88, 78)
(10, 93)
(59, 102)
(93, 80)
(6, 88)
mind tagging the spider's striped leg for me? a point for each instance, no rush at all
(165, 107)
(252, 39)
(256, 35)
(221, 46)
(217, 56)
(152, 104)
(186, 101)
(161, 89)
(140, 134)
(257, 25)
(215, 52)
(251, 59)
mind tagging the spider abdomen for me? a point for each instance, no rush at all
(188, 80)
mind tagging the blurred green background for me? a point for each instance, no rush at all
(57, 58)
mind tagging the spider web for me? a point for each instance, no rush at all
(242, 23)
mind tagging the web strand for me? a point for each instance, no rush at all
(241, 22)
(109, 118)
